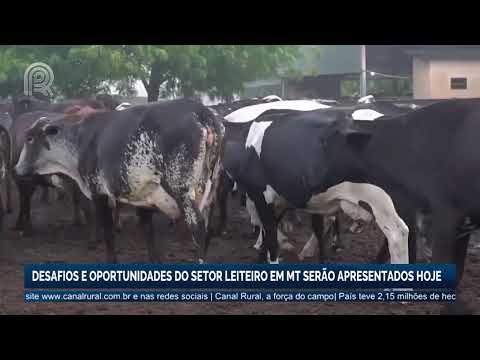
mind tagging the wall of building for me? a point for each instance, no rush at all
(421, 78)
(432, 77)
(442, 70)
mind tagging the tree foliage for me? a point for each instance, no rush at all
(78, 70)
(167, 70)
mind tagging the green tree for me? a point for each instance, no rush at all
(218, 70)
(78, 70)
(83, 70)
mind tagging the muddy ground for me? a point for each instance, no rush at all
(56, 240)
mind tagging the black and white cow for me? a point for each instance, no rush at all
(223, 109)
(367, 109)
(238, 123)
(227, 186)
(161, 156)
(426, 158)
(282, 162)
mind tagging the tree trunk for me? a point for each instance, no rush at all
(156, 79)
(153, 92)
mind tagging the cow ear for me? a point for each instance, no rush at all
(51, 130)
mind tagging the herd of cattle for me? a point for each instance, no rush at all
(412, 170)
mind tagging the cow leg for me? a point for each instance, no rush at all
(383, 255)
(196, 225)
(210, 228)
(317, 226)
(2, 213)
(95, 226)
(59, 194)
(27, 222)
(270, 247)
(409, 220)
(243, 198)
(338, 233)
(446, 250)
(20, 217)
(409, 217)
(224, 188)
(104, 217)
(116, 218)
(76, 197)
(461, 254)
(145, 217)
(25, 190)
(44, 196)
(8, 193)
(255, 232)
(309, 248)
(330, 234)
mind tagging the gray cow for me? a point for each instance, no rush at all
(161, 156)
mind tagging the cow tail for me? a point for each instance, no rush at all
(209, 117)
(212, 163)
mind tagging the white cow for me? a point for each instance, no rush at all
(345, 197)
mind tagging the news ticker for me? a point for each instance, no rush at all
(240, 296)
(239, 276)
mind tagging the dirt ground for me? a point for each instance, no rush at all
(57, 241)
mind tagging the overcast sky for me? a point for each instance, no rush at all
(140, 89)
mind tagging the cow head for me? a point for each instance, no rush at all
(47, 148)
